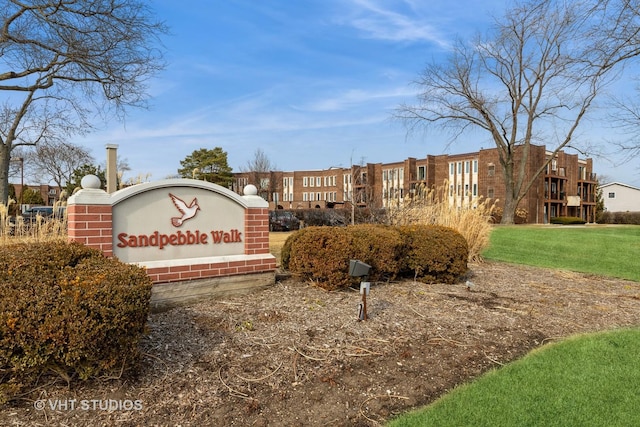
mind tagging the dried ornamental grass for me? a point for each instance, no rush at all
(432, 206)
(41, 229)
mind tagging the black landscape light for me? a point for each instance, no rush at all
(360, 269)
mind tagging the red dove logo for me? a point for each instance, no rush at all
(187, 211)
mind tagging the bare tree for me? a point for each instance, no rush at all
(532, 80)
(60, 60)
(57, 161)
(259, 172)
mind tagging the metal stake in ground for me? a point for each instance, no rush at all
(364, 290)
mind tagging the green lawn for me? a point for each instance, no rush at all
(588, 380)
(603, 250)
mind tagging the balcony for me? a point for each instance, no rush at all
(589, 177)
(556, 195)
(559, 172)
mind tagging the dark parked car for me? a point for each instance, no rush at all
(46, 212)
(283, 221)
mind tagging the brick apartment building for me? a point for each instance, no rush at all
(50, 194)
(566, 187)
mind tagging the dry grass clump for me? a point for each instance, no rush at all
(431, 206)
(14, 229)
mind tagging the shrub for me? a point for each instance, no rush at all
(567, 220)
(619, 218)
(379, 246)
(322, 254)
(67, 309)
(434, 253)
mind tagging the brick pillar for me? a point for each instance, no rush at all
(90, 219)
(256, 228)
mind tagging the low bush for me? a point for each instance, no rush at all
(379, 246)
(434, 253)
(567, 220)
(632, 218)
(320, 254)
(67, 310)
(424, 252)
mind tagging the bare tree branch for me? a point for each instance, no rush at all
(541, 68)
(61, 59)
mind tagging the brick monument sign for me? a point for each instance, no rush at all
(194, 238)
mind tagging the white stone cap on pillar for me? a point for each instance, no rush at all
(91, 193)
(251, 196)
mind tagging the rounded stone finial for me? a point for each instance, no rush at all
(250, 190)
(90, 181)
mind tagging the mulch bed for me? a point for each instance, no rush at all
(295, 355)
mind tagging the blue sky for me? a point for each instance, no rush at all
(312, 83)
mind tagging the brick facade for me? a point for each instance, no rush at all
(566, 187)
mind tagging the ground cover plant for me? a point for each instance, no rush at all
(589, 379)
(606, 250)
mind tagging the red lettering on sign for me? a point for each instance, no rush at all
(180, 238)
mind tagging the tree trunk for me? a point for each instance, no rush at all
(509, 209)
(510, 200)
(5, 163)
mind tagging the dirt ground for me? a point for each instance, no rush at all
(295, 355)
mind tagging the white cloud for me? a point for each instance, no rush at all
(379, 21)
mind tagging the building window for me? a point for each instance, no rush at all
(285, 197)
(475, 190)
(475, 166)
(305, 181)
(466, 167)
(305, 197)
(612, 195)
(452, 168)
(491, 169)
(490, 193)
(422, 173)
(459, 168)
(466, 190)
(284, 182)
(319, 181)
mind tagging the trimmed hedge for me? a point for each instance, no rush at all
(67, 309)
(434, 253)
(427, 253)
(567, 220)
(619, 218)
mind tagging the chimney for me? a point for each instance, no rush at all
(112, 168)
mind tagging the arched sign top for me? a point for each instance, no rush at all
(248, 201)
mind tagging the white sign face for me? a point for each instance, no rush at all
(176, 222)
